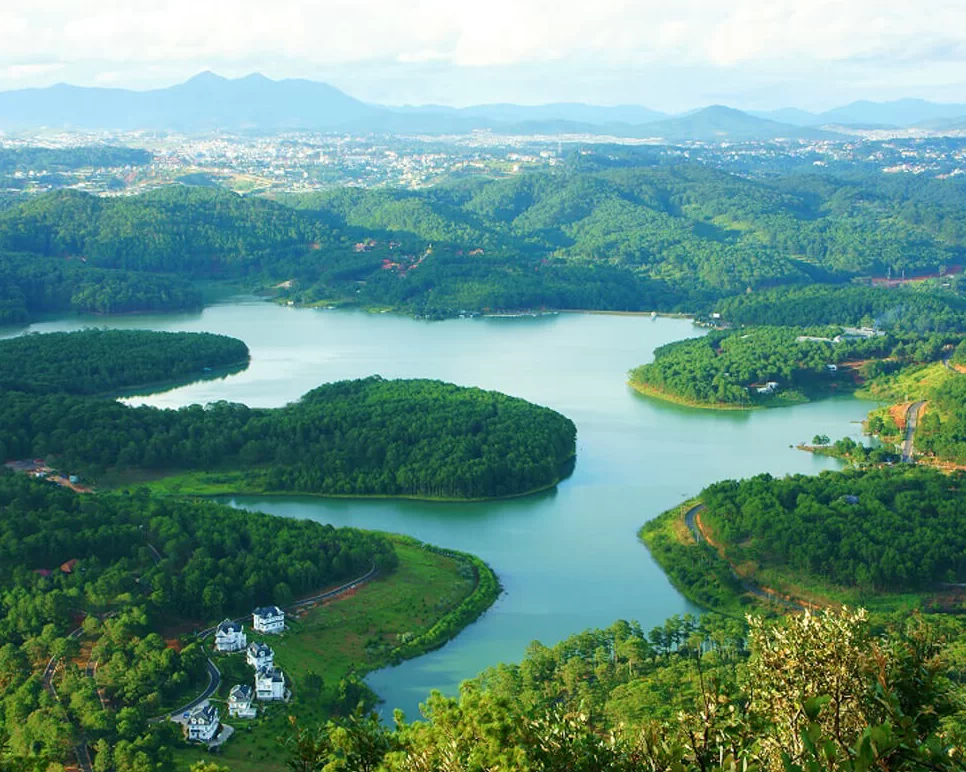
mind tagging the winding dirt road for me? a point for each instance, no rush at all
(693, 524)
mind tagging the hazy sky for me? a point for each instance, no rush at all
(672, 55)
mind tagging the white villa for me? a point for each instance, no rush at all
(230, 636)
(268, 619)
(201, 724)
(240, 701)
(260, 655)
(269, 684)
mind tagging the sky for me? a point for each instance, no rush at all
(671, 55)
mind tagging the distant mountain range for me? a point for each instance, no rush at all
(900, 113)
(209, 102)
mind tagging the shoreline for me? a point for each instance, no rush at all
(297, 646)
(159, 488)
(653, 392)
(330, 305)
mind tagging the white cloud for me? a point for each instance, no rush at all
(293, 37)
(17, 72)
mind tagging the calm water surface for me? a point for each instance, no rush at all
(568, 559)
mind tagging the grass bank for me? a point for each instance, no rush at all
(431, 596)
(676, 399)
(696, 570)
(250, 482)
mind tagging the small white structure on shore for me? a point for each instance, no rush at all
(260, 655)
(240, 701)
(201, 724)
(230, 636)
(269, 684)
(268, 619)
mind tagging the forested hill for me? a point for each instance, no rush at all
(588, 235)
(914, 310)
(367, 437)
(31, 285)
(892, 529)
(102, 361)
(729, 368)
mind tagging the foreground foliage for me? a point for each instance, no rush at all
(825, 692)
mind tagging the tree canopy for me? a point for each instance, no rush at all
(889, 529)
(729, 367)
(675, 236)
(370, 436)
(101, 361)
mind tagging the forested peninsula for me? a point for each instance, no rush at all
(860, 536)
(416, 438)
(774, 366)
(108, 361)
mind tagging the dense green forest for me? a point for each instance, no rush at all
(101, 361)
(145, 561)
(32, 285)
(189, 231)
(884, 308)
(826, 693)
(891, 529)
(365, 437)
(588, 235)
(942, 430)
(725, 366)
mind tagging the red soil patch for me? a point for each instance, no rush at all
(898, 413)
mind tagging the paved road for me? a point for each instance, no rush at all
(155, 555)
(214, 681)
(912, 419)
(691, 520)
(338, 590)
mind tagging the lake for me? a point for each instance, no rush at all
(569, 558)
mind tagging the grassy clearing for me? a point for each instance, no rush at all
(344, 639)
(907, 385)
(821, 593)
